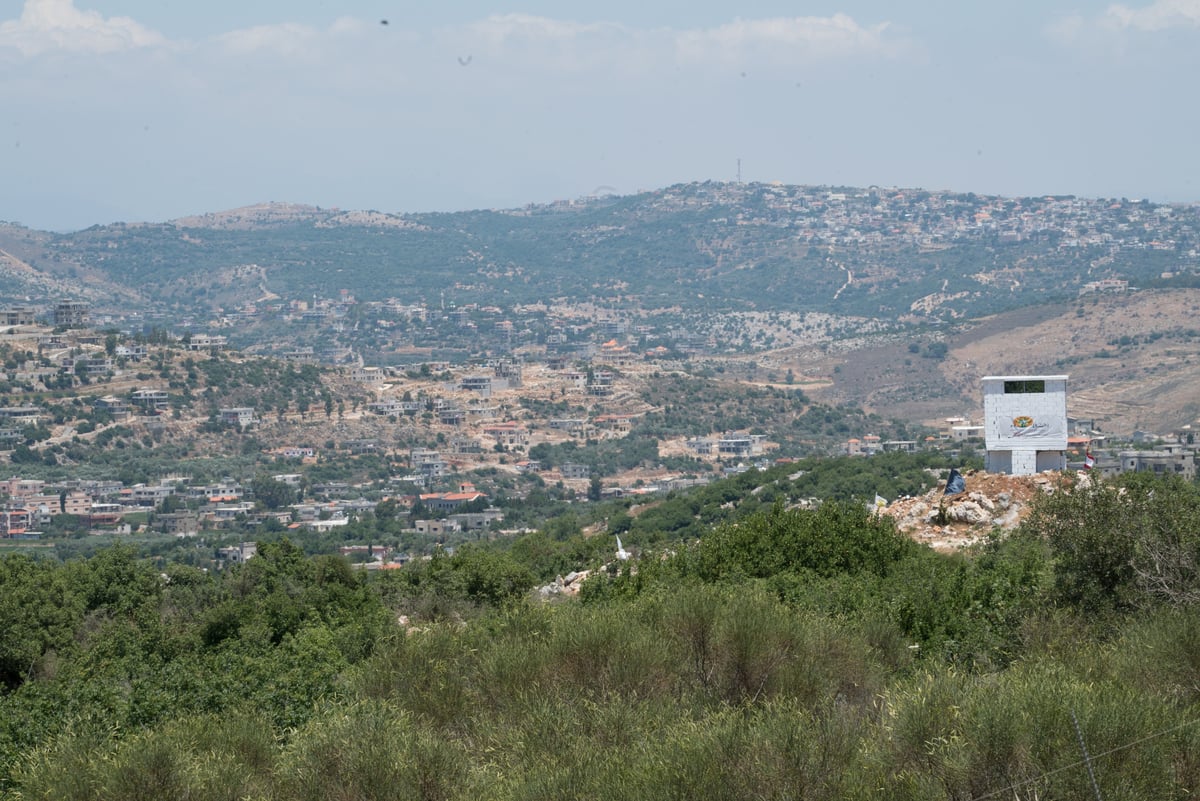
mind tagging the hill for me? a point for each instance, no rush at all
(895, 255)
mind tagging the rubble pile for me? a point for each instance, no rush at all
(564, 585)
(991, 500)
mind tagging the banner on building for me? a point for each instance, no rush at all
(1024, 431)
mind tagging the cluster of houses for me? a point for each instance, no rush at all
(27, 506)
(875, 215)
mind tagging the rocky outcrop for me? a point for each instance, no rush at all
(564, 585)
(992, 502)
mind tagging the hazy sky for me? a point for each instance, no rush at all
(152, 109)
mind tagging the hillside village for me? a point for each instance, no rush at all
(897, 216)
(437, 440)
(431, 425)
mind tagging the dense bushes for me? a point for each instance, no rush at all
(708, 692)
(789, 654)
(1125, 543)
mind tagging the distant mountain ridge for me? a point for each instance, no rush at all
(905, 256)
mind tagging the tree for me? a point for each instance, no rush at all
(387, 511)
(271, 493)
(1123, 543)
(23, 454)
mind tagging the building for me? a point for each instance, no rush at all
(1025, 423)
(294, 452)
(389, 407)
(240, 416)
(21, 487)
(618, 423)
(133, 352)
(70, 314)
(473, 521)
(198, 342)
(18, 315)
(964, 433)
(574, 470)
(601, 384)
(148, 496)
(117, 407)
(572, 425)
(93, 366)
(510, 435)
(150, 401)
(20, 415)
(452, 501)
(181, 524)
(1174, 461)
(740, 446)
(484, 385)
(238, 554)
(367, 375)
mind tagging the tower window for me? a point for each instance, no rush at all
(1037, 387)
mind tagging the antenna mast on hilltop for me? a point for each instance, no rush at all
(739, 172)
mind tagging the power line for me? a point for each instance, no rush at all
(1073, 765)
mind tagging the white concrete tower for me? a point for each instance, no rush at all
(1025, 423)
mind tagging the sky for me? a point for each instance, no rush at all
(147, 110)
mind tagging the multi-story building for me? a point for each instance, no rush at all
(1172, 461)
(18, 315)
(150, 401)
(70, 314)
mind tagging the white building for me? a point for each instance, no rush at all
(1025, 423)
(240, 416)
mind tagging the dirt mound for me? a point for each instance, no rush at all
(990, 501)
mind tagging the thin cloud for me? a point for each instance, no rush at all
(285, 38)
(500, 29)
(1111, 27)
(1157, 16)
(793, 38)
(561, 43)
(49, 25)
(519, 38)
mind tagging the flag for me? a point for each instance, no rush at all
(880, 501)
(1089, 461)
(955, 483)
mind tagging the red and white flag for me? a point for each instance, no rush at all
(1089, 461)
